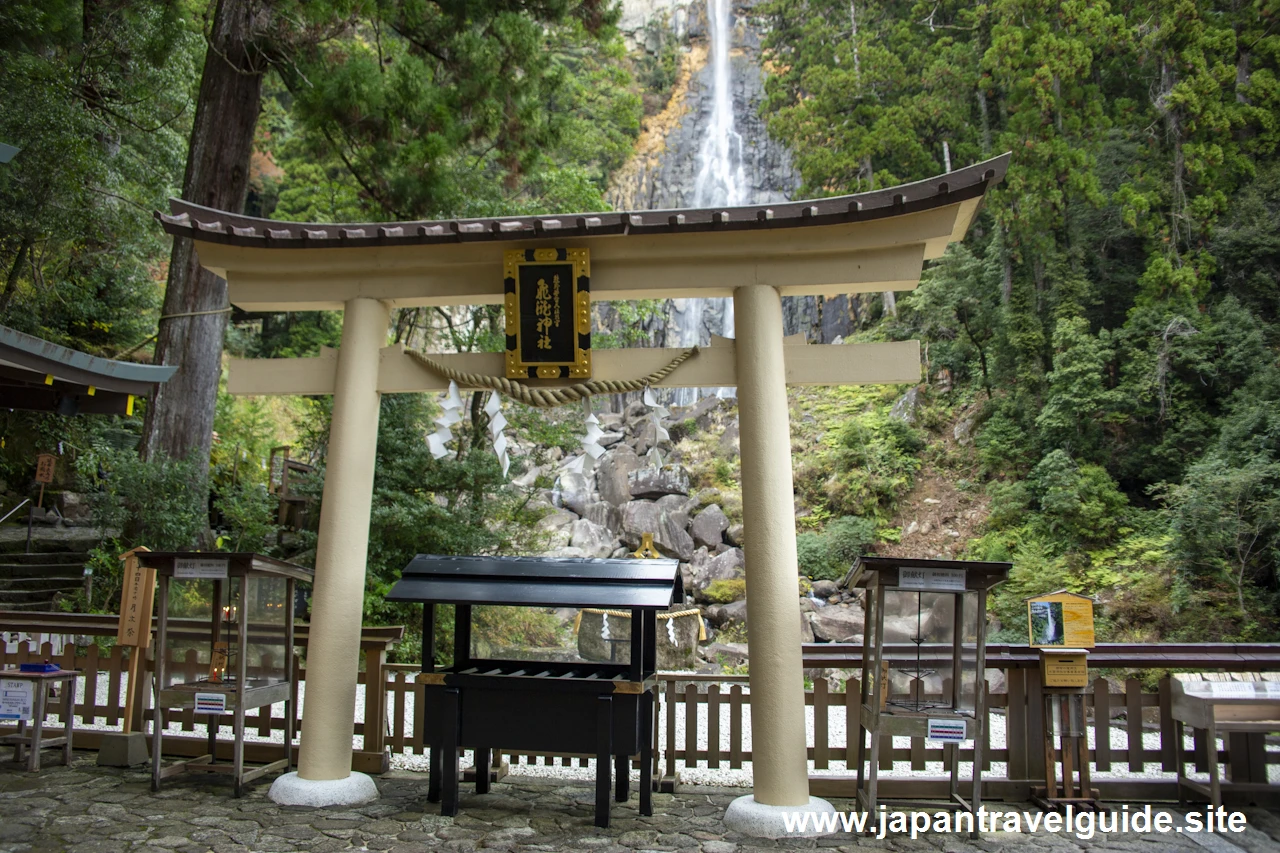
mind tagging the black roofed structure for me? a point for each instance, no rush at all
(540, 581)
(39, 376)
(865, 243)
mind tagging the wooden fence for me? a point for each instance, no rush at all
(703, 720)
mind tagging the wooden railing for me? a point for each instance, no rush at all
(111, 667)
(703, 720)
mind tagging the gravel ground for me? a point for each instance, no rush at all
(702, 775)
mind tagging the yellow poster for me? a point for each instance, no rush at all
(1060, 620)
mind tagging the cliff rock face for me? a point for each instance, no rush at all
(664, 170)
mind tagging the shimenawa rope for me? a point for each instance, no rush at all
(547, 397)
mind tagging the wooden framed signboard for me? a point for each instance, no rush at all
(1060, 620)
(547, 307)
(45, 466)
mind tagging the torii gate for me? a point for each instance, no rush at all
(870, 242)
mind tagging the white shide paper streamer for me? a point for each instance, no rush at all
(657, 413)
(444, 433)
(585, 462)
(497, 421)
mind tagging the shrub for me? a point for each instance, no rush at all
(724, 591)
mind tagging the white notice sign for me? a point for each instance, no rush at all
(199, 567)
(942, 580)
(1228, 689)
(16, 697)
(946, 731)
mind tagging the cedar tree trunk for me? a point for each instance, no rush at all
(179, 421)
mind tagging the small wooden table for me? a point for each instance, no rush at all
(35, 740)
(1229, 707)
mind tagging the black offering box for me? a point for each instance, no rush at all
(604, 709)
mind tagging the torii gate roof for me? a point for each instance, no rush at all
(866, 242)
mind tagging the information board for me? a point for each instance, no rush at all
(937, 580)
(1060, 620)
(16, 699)
(200, 567)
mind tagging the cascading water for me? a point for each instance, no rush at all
(721, 182)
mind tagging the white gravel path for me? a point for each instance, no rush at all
(702, 775)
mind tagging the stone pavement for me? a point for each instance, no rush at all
(88, 809)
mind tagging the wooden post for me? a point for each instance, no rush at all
(136, 601)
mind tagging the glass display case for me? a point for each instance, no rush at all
(224, 646)
(923, 659)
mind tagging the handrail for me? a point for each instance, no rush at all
(107, 625)
(1238, 657)
(5, 518)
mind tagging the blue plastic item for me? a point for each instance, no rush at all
(38, 667)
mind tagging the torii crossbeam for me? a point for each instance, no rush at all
(869, 242)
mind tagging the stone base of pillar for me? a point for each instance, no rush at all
(758, 820)
(292, 790)
(120, 749)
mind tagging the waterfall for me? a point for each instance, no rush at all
(721, 182)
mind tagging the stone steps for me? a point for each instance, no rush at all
(34, 581)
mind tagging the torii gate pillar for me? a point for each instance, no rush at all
(778, 741)
(324, 773)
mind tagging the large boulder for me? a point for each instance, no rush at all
(834, 624)
(726, 566)
(683, 653)
(702, 411)
(726, 654)
(612, 474)
(646, 436)
(604, 514)
(735, 535)
(594, 539)
(575, 491)
(734, 611)
(653, 483)
(729, 441)
(676, 503)
(592, 643)
(709, 526)
(825, 589)
(639, 517)
(906, 407)
(672, 539)
(558, 524)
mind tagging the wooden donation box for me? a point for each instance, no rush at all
(239, 659)
(936, 693)
(600, 709)
(1060, 625)
(1240, 711)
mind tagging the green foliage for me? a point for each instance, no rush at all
(1115, 298)
(873, 462)
(247, 511)
(96, 98)
(1080, 502)
(724, 591)
(460, 504)
(828, 555)
(158, 503)
(465, 110)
